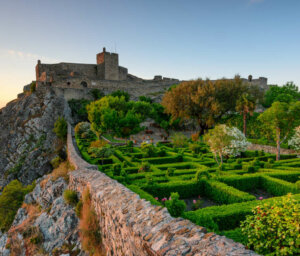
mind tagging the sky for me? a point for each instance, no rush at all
(184, 39)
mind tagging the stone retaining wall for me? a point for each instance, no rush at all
(132, 226)
(270, 149)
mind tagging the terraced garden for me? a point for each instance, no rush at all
(216, 198)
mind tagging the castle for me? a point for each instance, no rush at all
(75, 80)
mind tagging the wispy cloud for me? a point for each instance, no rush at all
(26, 56)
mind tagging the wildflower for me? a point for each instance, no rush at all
(194, 201)
(199, 197)
(260, 198)
(156, 198)
(170, 198)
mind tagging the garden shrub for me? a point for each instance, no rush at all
(170, 172)
(148, 150)
(195, 137)
(145, 167)
(175, 206)
(179, 140)
(70, 197)
(274, 227)
(200, 174)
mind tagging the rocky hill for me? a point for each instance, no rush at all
(27, 142)
(45, 225)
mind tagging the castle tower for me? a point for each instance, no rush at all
(108, 65)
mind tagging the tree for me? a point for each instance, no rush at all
(117, 116)
(225, 141)
(245, 105)
(129, 124)
(61, 128)
(120, 94)
(287, 93)
(102, 153)
(203, 101)
(295, 139)
(280, 120)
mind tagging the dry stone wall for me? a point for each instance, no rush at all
(270, 149)
(132, 226)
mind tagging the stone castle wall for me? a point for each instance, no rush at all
(75, 89)
(132, 226)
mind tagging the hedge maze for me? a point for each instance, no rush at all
(218, 198)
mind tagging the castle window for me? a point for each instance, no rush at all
(83, 84)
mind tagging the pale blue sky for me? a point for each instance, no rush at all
(176, 38)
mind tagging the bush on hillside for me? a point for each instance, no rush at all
(60, 128)
(71, 197)
(10, 201)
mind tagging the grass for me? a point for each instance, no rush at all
(90, 233)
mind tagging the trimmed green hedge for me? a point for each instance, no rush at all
(278, 187)
(227, 217)
(224, 194)
(143, 194)
(245, 182)
(186, 189)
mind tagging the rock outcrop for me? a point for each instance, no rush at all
(45, 225)
(27, 141)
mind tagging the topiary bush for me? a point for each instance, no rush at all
(175, 206)
(170, 172)
(274, 227)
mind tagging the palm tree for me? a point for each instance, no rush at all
(245, 105)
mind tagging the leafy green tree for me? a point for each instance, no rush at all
(129, 124)
(10, 201)
(78, 108)
(97, 94)
(102, 153)
(204, 101)
(246, 106)
(287, 93)
(145, 99)
(273, 228)
(280, 120)
(141, 108)
(120, 94)
(61, 128)
(225, 141)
